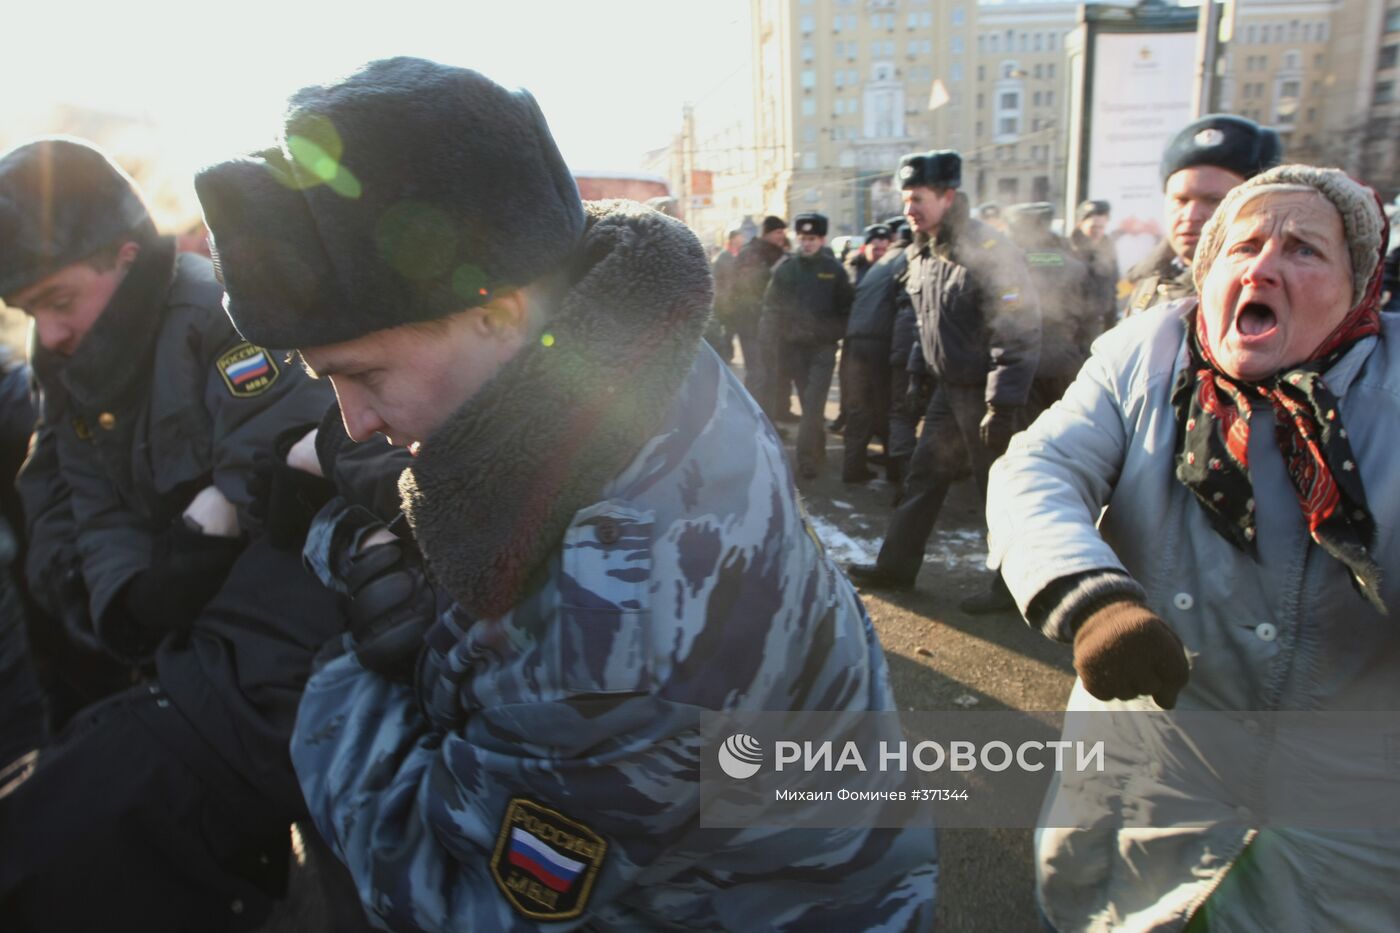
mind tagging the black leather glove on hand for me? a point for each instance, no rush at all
(187, 569)
(997, 426)
(1123, 650)
(285, 499)
(392, 605)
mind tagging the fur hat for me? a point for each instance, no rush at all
(405, 192)
(1037, 214)
(877, 232)
(812, 223)
(1091, 208)
(1225, 141)
(937, 168)
(1362, 220)
(61, 201)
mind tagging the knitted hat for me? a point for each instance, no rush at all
(405, 192)
(61, 201)
(771, 223)
(1362, 220)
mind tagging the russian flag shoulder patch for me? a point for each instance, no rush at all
(247, 370)
(545, 863)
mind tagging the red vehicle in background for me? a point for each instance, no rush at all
(597, 186)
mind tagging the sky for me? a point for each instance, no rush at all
(610, 75)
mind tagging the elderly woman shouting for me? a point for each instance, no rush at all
(1210, 517)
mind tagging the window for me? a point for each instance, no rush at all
(1050, 70)
(1292, 60)
(956, 45)
(1392, 22)
(1385, 92)
(839, 107)
(808, 52)
(852, 106)
(955, 72)
(1389, 55)
(1038, 71)
(1278, 32)
(840, 77)
(1009, 100)
(1040, 42)
(1307, 32)
(808, 79)
(994, 43)
(1035, 101)
(981, 72)
(1054, 41)
(836, 23)
(809, 134)
(852, 77)
(1049, 98)
(1009, 189)
(809, 161)
(981, 102)
(1249, 35)
(1006, 126)
(807, 24)
(809, 107)
(959, 17)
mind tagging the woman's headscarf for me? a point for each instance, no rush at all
(1212, 408)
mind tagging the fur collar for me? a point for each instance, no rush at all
(114, 361)
(493, 490)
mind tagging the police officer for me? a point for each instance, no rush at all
(1199, 167)
(1091, 246)
(865, 361)
(979, 337)
(720, 333)
(875, 243)
(752, 269)
(1069, 318)
(593, 492)
(170, 800)
(808, 301)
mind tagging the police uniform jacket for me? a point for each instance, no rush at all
(1102, 261)
(809, 299)
(543, 770)
(979, 323)
(1157, 279)
(161, 399)
(876, 300)
(1069, 319)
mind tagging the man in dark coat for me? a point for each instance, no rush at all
(808, 302)
(865, 360)
(172, 800)
(720, 333)
(875, 244)
(1092, 247)
(1201, 164)
(752, 269)
(1069, 318)
(979, 337)
(21, 702)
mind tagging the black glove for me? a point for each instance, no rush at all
(998, 424)
(187, 569)
(1123, 650)
(392, 605)
(916, 395)
(282, 498)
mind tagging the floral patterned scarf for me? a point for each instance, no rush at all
(1212, 449)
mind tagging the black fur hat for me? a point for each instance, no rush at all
(1225, 141)
(937, 168)
(61, 201)
(1090, 208)
(811, 223)
(406, 192)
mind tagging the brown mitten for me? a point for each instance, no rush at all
(1123, 650)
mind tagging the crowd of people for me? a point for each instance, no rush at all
(423, 517)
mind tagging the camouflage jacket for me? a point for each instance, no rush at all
(544, 770)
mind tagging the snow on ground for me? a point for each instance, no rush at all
(957, 548)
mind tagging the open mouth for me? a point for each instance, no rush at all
(1255, 319)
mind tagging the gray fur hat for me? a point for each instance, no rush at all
(61, 201)
(405, 192)
(1362, 220)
